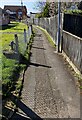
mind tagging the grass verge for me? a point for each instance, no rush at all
(6, 38)
(12, 69)
(13, 79)
(14, 27)
(49, 38)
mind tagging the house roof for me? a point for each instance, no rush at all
(2, 11)
(13, 8)
(34, 13)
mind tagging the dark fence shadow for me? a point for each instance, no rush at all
(39, 40)
(19, 117)
(39, 48)
(16, 116)
(9, 26)
(12, 55)
(37, 65)
(38, 35)
(30, 113)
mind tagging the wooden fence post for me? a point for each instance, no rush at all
(12, 45)
(28, 34)
(25, 40)
(16, 42)
(31, 29)
(17, 47)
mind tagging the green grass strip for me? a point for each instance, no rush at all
(49, 38)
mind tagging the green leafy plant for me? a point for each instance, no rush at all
(78, 12)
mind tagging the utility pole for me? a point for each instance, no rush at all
(22, 8)
(58, 26)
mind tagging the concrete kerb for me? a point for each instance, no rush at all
(78, 75)
(71, 63)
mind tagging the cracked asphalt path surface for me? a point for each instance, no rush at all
(49, 89)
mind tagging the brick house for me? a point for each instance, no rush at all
(16, 12)
(4, 17)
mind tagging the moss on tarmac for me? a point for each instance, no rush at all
(49, 38)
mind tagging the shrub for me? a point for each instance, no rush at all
(78, 12)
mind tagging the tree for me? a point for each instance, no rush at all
(46, 10)
(40, 6)
(80, 6)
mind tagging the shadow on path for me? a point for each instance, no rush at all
(38, 35)
(30, 113)
(39, 48)
(39, 65)
(16, 116)
(19, 117)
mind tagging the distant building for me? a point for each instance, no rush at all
(4, 17)
(16, 12)
(32, 15)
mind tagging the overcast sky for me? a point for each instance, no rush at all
(28, 3)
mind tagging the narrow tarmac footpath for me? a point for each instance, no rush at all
(49, 89)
